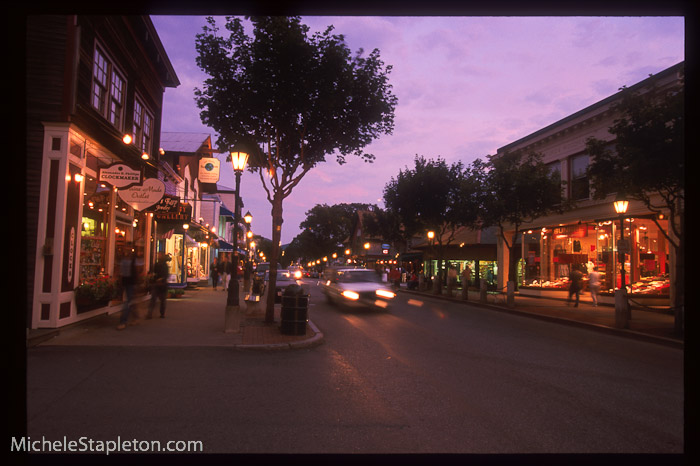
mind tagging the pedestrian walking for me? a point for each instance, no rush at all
(395, 277)
(467, 274)
(594, 285)
(214, 272)
(128, 273)
(159, 288)
(451, 279)
(223, 272)
(575, 286)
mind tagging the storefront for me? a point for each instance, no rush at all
(187, 244)
(85, 230)
(110, 231)
(551, 253)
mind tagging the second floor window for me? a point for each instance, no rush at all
(108, 89)
(143, 127)
(579, 178)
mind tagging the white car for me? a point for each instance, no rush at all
(357, 288)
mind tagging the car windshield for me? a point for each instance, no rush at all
(358, 276)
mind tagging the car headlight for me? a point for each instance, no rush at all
(351, 295)
(385, 294)
(297, 275)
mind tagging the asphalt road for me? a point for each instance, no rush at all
(425, 377)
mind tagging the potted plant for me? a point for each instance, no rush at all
(96, 292)
(175, 293)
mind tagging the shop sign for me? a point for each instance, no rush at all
(170, 208)
(209, 170)
(143, 196)
(120, 175)
(571, 231)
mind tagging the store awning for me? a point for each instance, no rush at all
(189, 241)
(224, 246)
(409, 256)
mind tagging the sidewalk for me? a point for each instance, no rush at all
(653, 326)
(196, 319)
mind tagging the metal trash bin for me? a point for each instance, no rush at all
(295, 311)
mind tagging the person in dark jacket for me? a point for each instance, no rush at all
(576, 284)
(159, 290)
(214, 272)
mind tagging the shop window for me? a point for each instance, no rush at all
(108, 89)
(580, 188)
(94, 229)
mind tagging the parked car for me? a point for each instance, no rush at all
(356, 288)
(262, 268)
(284, 279)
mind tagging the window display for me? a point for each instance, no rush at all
(550, 255)
(95, 224)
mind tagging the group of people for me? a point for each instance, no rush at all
(576, 284)
(223, 269)
(412, 278)
(158, 285)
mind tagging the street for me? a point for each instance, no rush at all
(424, 377)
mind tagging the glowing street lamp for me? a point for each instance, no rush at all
(239, 158)
(622, 310)
(621, 204)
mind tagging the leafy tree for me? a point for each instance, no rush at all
(293, 99)
(646, 162)
(427, 198)
(325, 230)
(517, 188)
(330, 226)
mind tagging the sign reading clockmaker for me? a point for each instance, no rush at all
(209, 170)
(119, 175)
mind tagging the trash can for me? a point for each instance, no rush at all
(295, 311)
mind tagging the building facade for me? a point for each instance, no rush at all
(589, 235)
(90, 81)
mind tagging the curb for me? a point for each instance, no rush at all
(312, 342)
(679, 344)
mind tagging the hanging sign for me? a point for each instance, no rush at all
(120, 175)
(170, 208)
(143, 196)
(209, 170)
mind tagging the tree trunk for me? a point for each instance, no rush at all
(274, 257)
(513, 262)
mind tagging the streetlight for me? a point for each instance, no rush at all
(239, 158)
(622, 311)
(621, 205)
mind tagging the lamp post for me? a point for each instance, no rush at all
(239, 158)
(621, 304)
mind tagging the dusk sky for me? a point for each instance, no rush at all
(466, 86)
